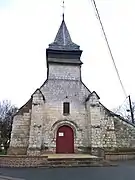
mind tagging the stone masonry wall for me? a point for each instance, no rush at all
(125, 134)
(109, 131)
(20, 134)
(23, 161)
(101, 125)
(120, 156)
(37, 118)
(20, 130)
(64, 72)
(56, 92)
(46, 117)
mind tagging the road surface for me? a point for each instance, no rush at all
(125, 171)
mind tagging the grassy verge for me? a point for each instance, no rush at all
(2, 153)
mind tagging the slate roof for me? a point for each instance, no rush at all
(63, 40)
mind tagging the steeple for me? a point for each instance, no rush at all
(63, 40)
(63, 50)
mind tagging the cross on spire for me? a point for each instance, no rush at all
(63, 40)
(63, 6)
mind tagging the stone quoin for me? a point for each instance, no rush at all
(63, 115)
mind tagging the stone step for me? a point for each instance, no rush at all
(86, 162)
(74, 159)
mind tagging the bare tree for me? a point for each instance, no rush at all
(124, 110)
(6, 117)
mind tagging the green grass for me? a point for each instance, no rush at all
(2, 152)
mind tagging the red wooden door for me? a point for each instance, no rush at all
(65, 140)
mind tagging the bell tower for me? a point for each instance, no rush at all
(63, 56)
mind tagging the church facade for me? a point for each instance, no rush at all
(63, 115)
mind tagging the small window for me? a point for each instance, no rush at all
(66, 108)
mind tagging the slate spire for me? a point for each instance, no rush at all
(63, 39)
(63, 50)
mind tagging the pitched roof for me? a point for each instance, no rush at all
(63, 40)
(117, 115)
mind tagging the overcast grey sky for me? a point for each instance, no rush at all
(28, 26)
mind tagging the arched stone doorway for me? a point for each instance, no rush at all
(65, 140)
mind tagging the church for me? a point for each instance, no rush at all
(63, 115)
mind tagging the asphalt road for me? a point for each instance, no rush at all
(125, 171)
